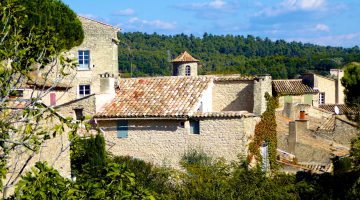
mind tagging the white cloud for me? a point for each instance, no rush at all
(152, 24)
(344, 40)
(125, 12)
(213, 4)
(217, 4)
(293, 5)
(322, 27)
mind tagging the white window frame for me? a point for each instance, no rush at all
(187, 70)
(82, 91)
(82, 58)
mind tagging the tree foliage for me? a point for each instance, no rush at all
(145, 54)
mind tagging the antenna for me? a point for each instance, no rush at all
(336, 110)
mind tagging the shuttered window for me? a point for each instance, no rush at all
(122, 129)
(194, 127)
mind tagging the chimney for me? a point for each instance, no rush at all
(297, 127)
(339, 89)
(262, 84)
(107, 90)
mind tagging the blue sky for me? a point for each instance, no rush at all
(324, 22)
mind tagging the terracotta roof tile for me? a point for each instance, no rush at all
(291, 87)
(156, 97)
(185, 57)
(342, 108)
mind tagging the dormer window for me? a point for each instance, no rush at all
(187, 70)
(84, 59)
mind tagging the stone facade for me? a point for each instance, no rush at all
(164, 141)
(323, 85)
(262, 85)
(179, 69)
(55, 151)
(233, 96)
(86, 104)
(101, 42)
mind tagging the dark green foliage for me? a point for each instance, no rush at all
(265, 131)
(149, 55)
(88, 154)
(154, 179)
(43, 182)
(351, 83)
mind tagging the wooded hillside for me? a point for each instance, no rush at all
(149, 55)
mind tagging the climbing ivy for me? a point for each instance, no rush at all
(265, 131)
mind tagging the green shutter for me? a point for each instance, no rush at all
(194, 127)
(288, 99)
(122, 129)
(308, 99)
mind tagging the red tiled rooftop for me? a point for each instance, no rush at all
(156, 97)
(185, 57)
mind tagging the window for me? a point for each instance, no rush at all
(84, 59)
(79, 115)
(194, 127)
(84, 90)
(122, 129)
(322, 98)
(187, 70)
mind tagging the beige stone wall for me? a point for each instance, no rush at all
(163, 142)
(179, 69)
(62, 96)
(328, 86)
(86, 103)
(99, 40)
(262, 85)
(55, 151)
(233, 96)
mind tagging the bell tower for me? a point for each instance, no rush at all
(185, 65)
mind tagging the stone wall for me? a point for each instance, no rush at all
(87, 104)
(163, 142)
(261, 85)
(55, 151)
(101, 40)
(179, 69)
(233, 96)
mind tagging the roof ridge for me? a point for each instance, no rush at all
(102, 23)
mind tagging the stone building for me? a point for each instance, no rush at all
(330, 88)
(94, 77)
(294, 91)
(158, 119)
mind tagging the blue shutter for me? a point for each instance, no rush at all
(194, 127)
(122, 129)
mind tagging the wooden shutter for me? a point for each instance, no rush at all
(52, 99)
(122, 129)
(194, 127)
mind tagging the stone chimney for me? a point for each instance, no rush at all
(339, 89)
(262, 84)
(299, 126)
(107, 90)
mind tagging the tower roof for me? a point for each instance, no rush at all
(185, 57)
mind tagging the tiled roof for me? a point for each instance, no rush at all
(185, 57)
(156, 97)
(291, 87)
(38, 81)
(342, 108)
(226, 114)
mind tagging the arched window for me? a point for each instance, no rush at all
(187, 70)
